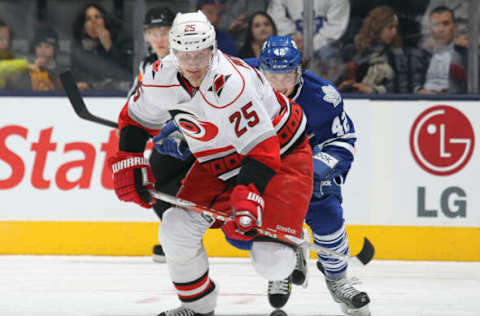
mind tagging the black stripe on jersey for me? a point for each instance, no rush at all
(133, 139)
(253, 171)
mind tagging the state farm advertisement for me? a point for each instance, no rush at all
(53, 164)
(417, 163)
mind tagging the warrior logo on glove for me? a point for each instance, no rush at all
(132, 178)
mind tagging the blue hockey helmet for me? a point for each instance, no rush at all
(279, 54)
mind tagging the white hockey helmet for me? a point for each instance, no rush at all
(192, 31)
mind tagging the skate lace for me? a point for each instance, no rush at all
(301, 262)
(344, 287)
(279, 287)
(180, 311)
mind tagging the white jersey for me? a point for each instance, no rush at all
(233, 110)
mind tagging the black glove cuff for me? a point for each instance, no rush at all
(133, 139)
(253, 171)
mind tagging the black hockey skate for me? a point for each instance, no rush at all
(158, 254)
(299, 274)
(183, 311)
(279, 292)
(352, 301)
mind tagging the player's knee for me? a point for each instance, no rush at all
(273, 261)
(176, 244)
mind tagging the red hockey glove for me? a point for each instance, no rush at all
(230, 229)
(132, 178)
(247, 205)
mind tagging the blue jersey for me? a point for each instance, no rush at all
(330, 129)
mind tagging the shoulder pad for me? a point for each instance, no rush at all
(159, 71)
(226, 84)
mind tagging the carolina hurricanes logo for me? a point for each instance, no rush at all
(218, 84)
(196, 129)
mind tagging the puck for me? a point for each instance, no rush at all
(278, 312)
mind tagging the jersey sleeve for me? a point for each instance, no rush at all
(144, 106)
(332, 133)
(142, 116)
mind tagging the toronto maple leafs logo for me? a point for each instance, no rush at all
(331, 95)
(218, 84)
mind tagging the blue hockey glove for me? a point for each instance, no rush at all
(171, 142)
(323, 188)
(323, 165)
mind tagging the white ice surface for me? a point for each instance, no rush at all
(127, 286)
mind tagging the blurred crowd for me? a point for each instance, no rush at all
(372, 47)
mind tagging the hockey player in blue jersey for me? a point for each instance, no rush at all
(332, 137)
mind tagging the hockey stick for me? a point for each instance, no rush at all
(77, 102)
(363, 257)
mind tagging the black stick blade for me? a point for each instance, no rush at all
(70, 87)
(367, 253)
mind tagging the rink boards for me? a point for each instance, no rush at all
(412, 190)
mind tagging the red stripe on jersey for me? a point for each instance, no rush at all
(212, 151)
(124, 119)
(268, 153)
(160, 86)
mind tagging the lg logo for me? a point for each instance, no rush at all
(442, 142)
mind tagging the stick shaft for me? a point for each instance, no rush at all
(221, 216)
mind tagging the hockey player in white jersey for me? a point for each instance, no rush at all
(252, 159)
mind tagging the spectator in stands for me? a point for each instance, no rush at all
(380, 64)
(5, 40)
(460, 9)
(408, 12)
(260, 27)
(101, 54)
(447, 71)
(10, 65)
(44, 77)
(235, 17)
(213, 10)
(330, 20)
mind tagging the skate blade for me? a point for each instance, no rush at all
(362, 311)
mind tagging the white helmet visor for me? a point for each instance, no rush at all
(193, 59)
